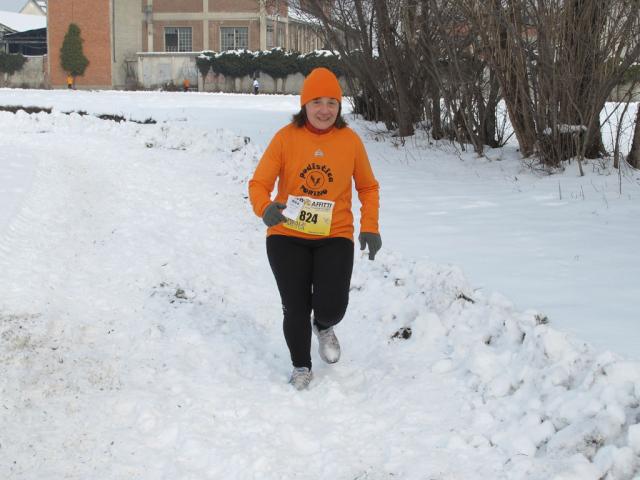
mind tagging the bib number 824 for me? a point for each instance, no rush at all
(308, 217)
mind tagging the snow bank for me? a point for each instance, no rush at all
(534, 392)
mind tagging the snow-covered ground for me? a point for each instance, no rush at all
(140, 331)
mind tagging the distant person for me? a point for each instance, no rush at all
(256, 86)
(315, 160)
(186, 84)
(69, 81)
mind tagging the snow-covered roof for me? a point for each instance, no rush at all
(20, 22)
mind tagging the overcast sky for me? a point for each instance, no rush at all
(12, 5)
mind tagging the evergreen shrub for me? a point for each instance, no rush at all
(320, 58)
(11, 63)
(276, 62)
(234, 63)
(72, 57)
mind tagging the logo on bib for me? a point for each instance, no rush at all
(318, 153)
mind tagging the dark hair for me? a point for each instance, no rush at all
(300, 118)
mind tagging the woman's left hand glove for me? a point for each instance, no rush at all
(371, 240)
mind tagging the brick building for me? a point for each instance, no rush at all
(116, 31)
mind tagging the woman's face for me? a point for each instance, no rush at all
(322, 112)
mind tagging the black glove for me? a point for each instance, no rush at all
(272, 215)
(371, 240)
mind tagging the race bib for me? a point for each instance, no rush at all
(308, 215)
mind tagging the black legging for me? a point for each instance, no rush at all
(311, 275)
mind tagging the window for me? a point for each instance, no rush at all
(270, 35)
(234, 38)
(275, 34)
(280, 38)
(178, 39)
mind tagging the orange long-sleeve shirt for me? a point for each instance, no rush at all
(320, 167)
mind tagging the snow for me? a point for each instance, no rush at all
(237, 53)
(140, 326)
(16, 177)
(564, 128)
(21, 22)
(322, 53)
(634, 438)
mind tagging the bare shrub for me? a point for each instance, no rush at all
(557, 62)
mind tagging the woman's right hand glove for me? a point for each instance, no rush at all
(272, 215)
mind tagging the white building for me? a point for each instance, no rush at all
(35, 7)
(27, 7)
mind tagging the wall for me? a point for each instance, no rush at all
(290, 85)
(157, 69)
(128, 39)
(206, 17)
(218, 83)
(621, 93)
(93, 18)
(32, 75)
(183, 6)
(234, 6)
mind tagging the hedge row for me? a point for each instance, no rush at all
(10, 63)
(276, 62)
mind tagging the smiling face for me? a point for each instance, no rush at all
(322, 112)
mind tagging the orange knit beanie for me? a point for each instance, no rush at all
(321, 82)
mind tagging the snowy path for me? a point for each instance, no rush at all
(140, 338)
(100, 249)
